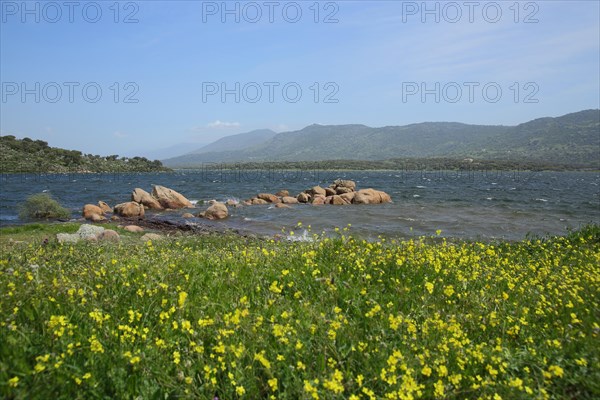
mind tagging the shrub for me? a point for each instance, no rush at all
(42, 205)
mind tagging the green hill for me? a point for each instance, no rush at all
(573, 139)
(27, 155)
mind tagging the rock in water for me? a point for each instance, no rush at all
(289, 200)
(347, 197)
(130, 209)
(344, 183)
(257, 201)
(342, 190)
(106, 209)
(329, 192)
(337, 200)
(303, 198)
(371, 196)
(317, 190)
(89, 210)
(216, 211)
(168, 198)
(268, 197)
(318, 200)
(141, 196)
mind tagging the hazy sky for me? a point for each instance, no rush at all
(129, 77)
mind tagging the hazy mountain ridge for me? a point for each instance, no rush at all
(572, 138)
(240, 141)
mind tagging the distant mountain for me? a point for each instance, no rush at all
(570, 139)
(240, 141)
(171, 151)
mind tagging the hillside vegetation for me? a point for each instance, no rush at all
(27, 155)
(573, 139)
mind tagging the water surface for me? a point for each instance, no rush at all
(471, 204)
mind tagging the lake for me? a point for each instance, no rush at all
(463, 204)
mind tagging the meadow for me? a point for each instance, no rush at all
(229, 317)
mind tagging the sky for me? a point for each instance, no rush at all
(139, 77)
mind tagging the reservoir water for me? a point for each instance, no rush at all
(465, 204)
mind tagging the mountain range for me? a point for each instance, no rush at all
(570, 139)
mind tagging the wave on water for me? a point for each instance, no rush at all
(544, 200)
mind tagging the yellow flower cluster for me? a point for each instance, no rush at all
(332, 318)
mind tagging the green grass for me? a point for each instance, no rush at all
(37, 233)
(198, 317)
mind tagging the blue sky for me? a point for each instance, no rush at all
(384, 62)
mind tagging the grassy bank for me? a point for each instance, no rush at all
(339, 318)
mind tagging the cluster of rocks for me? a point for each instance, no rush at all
(95, 233)
(162, 198)
(340, 192)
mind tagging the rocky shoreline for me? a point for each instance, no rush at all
(131, 215)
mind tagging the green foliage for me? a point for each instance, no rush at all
(26, 155)
(397, 164)
(333, 318)
(571, 140)
(42, 206)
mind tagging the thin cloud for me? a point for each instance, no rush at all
(223, 125)
(119, 134)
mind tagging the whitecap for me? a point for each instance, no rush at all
(421, 187)
(416, 195)
(489, 198)
(544, 200)
(194, 202)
